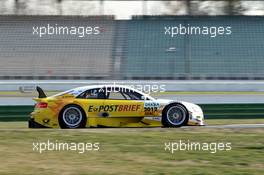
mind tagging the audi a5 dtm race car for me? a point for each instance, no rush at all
(111, 106)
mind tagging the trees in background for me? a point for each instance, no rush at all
(212, 7)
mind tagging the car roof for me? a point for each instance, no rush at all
(84, 88)
(77, 91)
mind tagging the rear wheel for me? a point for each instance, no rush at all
(175, 115)
(72, 116)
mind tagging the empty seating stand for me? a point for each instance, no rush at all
(152, 54)
(132, 49)
(27, 55)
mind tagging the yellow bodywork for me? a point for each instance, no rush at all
(122, 113)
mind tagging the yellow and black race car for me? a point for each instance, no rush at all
(111, 106)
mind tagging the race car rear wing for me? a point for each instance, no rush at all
(41, 92)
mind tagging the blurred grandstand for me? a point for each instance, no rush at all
(24, 55)
(132, 49)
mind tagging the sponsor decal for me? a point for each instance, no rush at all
(114, 108)
(154, 118)
(151, 104)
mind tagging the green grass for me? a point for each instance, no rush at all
(130, 151)
(233, 121)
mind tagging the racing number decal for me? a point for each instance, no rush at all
(151, 108)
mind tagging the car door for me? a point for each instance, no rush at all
(120, 103)
(91, 102)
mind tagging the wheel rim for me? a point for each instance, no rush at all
(72, 116)
(176, 115)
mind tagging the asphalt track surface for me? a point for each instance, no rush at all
(232, 126)
(194, 98)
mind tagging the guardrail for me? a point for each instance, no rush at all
(211, 111)
(15, 113)
(233, 111)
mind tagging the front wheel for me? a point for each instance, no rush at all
(175, 115)
(72, 116)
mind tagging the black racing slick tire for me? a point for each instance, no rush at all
(72, 116)
(174, 115)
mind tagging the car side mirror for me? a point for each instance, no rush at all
(143, 97)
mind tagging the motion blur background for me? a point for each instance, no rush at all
(131, 44)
